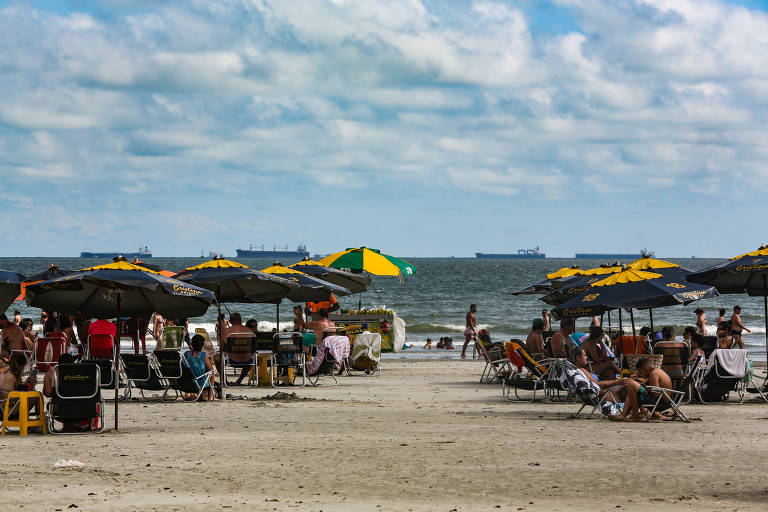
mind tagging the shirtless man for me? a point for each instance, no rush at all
(558, 345)
(470, 330)
(534, 344)
(12, 337)
(637, 392)
(320, 325)
(545, 318)
(236, 327)
(737, 327)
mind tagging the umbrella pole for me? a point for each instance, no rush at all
(650, 311)
(765, 313)
(620, 326)
(609, 318)
(277, 316)
(632, 317)
(219, 335)
(117, 359)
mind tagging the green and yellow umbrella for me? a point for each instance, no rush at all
(373, 261)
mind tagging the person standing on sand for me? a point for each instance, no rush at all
(471, 329)
(545, 318)
(721, 318)
(737, 327)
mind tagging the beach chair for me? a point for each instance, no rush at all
(100, 346)
(671, 398)
(533, 376)
(366, 353)
(325, 358)
(172, 338)
(240, 343)
(141, 373)
(76, 402)
(47, 351)
(288, 350)
(726, 371)
(497, 364)
(579, 385)
(190, 387)
(170, 369)
(675, 355)
(106, 371)
(710, 344)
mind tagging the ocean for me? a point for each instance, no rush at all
(434, 301)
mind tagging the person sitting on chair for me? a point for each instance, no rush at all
(199, 364)
(26, 325)
(534, 343)
(12, 337)
(561, 339)
(637, 392)
(236, 327)
(320, 325)
(697, 340)
(582, 363)
(602, 366)
(688, 333)
(723, 340)
(12, 377)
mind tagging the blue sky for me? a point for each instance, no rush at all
(425, 128)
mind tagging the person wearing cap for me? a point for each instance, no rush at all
(737, 327)
(534, 344)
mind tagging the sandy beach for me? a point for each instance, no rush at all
(418, 436)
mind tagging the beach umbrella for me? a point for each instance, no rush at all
(564, 272)
(355, 283)
(747, 273)
(119, 288)
(310, 289)
(234, 282)
(372, 261)
(151, 266)
(49, 273)
(630, 289)
(361, 260)
(572, 286)
(10, 286)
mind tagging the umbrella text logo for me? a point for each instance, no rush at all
(675, 285)
(591, 297)
(185, 290)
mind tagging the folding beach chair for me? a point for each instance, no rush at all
(726, 371)
(626, 345)
(289, 357)
(172, 338)
(106, 371)
(76, 402)
(169, 368)
(710, 344)
(675, 355)
(579, 385)
(497, 364)
(533, 377)
(240, 343)
(366, 353)
(328, 356)
(47, 351)
(190, 387)
(671, 398)
(141, 373)
(100, 346)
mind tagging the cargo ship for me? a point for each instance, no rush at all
(276, 253)
(520, 254)
(142, 253)
(614, 256)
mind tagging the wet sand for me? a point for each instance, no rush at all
(420, 436)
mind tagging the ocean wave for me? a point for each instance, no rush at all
(451, 328)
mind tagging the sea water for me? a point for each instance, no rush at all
(433, 302)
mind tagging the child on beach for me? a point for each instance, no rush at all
(428, 344)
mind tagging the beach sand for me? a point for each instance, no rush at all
(420, 436)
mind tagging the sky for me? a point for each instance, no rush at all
(423, 128)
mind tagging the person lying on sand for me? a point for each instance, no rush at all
(637, 391)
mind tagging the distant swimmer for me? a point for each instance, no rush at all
(737, 327)
(470, 330)
(428, 344)
(701, 321)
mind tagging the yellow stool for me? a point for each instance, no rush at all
(287, 379)
(23, 423)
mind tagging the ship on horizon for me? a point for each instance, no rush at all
(277, 252)
(614, 256)
(143, 252)
(520, 254)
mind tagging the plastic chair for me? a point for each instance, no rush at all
(47, 352)
(23, 422)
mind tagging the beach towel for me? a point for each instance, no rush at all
(732, 361)
(574, 380)
(317, 360)
(338, 346)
